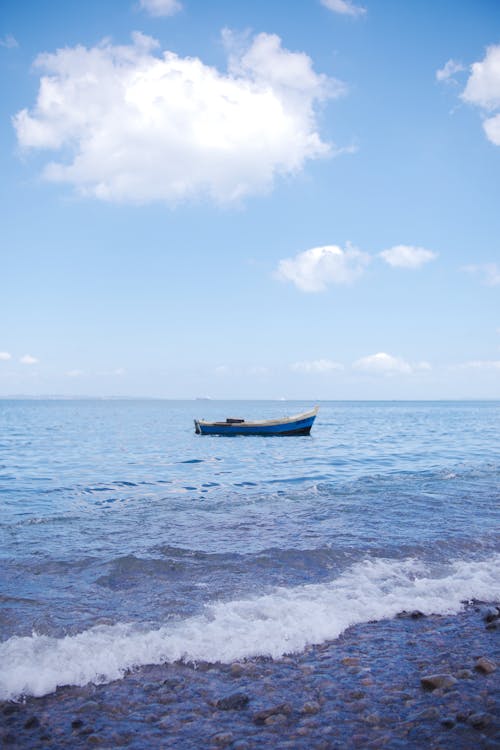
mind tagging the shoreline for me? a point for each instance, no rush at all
(362, 690)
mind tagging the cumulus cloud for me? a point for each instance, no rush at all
(344, 7)
(489, 272)
(483, 91)
(161, 7)
(313, 270)
(449, 70)
(407, 256)
(483, 85)
(386, 364)
(27, 359)
(136, 126)
(5, 356)
(316, 366)
(9, 41)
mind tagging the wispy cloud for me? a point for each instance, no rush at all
(447, 73)
(315, 269)
(135, 126)
(489, 272)
(28, 359)
(344, 7)
(74, 373)
(316, 366)
(9, 41)
(481, 364)
(407, 256)
(388, 365)
(160, 8)
(5, 356)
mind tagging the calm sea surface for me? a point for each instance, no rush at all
(126, 539)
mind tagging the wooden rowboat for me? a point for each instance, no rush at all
(300, 424)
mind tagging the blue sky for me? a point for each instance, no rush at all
(250, 200)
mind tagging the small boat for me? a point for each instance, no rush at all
(300, 424)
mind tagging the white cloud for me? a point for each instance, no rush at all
(407, 256)
(447, 72)
(27, 359)
(483, 85)
(481, 364)
(74, 373)
(492, 129)
(313, 270)
(386, 364)
(490, 272)
(136, 126)
(161, 7)
(4, 356)
(222, 370)
(258, 370)
(316, 366)
(483, 91)
(345, 7)
(9, 41)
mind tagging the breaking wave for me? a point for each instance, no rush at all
(286, 620)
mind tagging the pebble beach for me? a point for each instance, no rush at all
(411, 682)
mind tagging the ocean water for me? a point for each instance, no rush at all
(126, 539)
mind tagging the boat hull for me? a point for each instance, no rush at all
(299, 426)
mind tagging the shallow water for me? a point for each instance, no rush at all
(126, 539)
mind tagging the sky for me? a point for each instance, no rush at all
(259, 199)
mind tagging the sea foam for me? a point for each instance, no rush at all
(283, 621)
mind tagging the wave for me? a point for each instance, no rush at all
(283, 621)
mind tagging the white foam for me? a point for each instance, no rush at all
(284, 621)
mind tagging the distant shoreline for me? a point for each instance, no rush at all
(57, 397)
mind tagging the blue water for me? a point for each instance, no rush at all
(115, 512)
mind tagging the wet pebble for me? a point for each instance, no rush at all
(310, 707)
(427, 713)
(484, 665)
(490, 614)
(448, 722)
(32, 723)
(237, 669)
(222, 739)
(275, 719)
(261, 716)
(479, 720)
(437, 681)
(233, 702)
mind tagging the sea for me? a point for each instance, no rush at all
(128, 540)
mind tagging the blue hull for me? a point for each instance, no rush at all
(298, 427)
